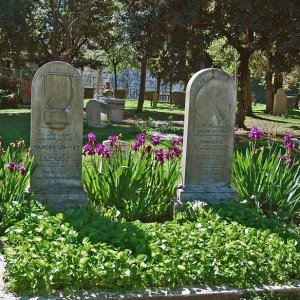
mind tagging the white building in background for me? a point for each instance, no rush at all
(128, 80)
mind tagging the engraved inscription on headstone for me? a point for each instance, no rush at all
(56, 136)
(208, 138)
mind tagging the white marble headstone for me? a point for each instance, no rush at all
(210, 110)
(56, 136)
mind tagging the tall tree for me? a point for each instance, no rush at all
(54, 29)
(117, 51)
(283, 53)
(254, 25)
(145, 26)
(237, 21)
(68, 25)
(187, 37)
(16, 33)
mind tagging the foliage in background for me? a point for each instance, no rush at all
(224, 56)
(140, 184)
(8, 96)
(267, 179)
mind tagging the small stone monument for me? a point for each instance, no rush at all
(56, 136)
(280, 100)
(208, 138)
(93, 114)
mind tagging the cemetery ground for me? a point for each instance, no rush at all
(112, 246)
(15, 123)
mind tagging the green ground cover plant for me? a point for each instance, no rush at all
(82, 250)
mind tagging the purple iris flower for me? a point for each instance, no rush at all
(148, 148)
(105, 152)
(113, 139)
(141, 137)
(176, 151)
(283, 157)
(136, 145)
(289, 161)
(169, 155)
(88, 149)
(178, 141)
(99, 148)
(160, 155)
(155, 140)
(22, 168)
(11, 166)
(91, 138)
(289, 144)
(255, 133)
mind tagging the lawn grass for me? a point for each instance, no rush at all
(275, 125)
(15, 123)
(14, 126)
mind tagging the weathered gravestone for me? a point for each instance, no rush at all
(56, 136)
(208, 138)
(93, 114)
(280, 100)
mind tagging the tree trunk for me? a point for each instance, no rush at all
(142, 85)
(116, 78)
(158, 84)
(171, 87)
(278, 81)
(269, 91)
(248, 98)
(244, 96)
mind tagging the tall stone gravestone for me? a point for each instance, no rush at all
(56, 136)
(280, 99)
(210, 109)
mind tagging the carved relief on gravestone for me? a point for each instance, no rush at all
(56, 136)
(208, 137)
(280, 100)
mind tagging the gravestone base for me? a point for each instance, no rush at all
(210, 195)
(61, 200)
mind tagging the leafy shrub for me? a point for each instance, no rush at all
(268, 180)
(45, 253)
(10, 100)
(140, 184)
(15, 163)
(8, 84)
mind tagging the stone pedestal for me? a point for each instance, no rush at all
(113, 108)
(56, 136)
(208, 138)
(212, 195)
